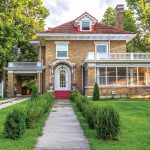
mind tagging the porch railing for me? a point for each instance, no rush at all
(118, 56)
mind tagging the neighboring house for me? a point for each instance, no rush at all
(79, 53)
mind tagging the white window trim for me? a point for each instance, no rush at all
(102, 43)
(86, 21)
(61, 43)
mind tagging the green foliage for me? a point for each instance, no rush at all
(105, 120)
(14, 126)
(109, 17)
(90, 114)
(136, 19)
(107, 123)
(28, 16)
(74, 94)
(35, 94)
(36, 109)
(96, 92)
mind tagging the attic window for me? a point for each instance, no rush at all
(86, 25)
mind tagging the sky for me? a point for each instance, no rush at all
(62, 11)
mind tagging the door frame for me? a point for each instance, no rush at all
(57, 80)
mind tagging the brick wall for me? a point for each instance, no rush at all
(135, 92)
(10, 85)
(77, 53)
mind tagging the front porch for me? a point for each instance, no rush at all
(17, 71)
(117, 74)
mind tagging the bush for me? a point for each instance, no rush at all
(96, 92)
(90, 114)
(14, 126)
(107, 123)
(74, 95)
(34, 94)
(36, 109)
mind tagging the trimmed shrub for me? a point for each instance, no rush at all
(74, 95)
(34, 94)
(96, 95)
(107, 123)
(14, 126)
(36, 109)
(90, 114)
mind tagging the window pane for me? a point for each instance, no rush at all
(102, 78)
(122, 79)
(61, 53)
(101, 48)
(142, 76)
(86, 25)
(111, 76)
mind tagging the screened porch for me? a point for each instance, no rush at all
(121, 76)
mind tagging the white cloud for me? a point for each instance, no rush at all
(62, 11)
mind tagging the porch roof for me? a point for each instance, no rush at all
(25, 67)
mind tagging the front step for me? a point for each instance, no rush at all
(62, 94)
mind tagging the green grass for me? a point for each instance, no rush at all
(2, 99)
(135, 126)
(29, 139)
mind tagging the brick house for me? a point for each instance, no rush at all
(83, 51)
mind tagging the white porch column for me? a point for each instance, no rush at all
(106, 75)
(131, 75)
(127, 75)
(97, 75)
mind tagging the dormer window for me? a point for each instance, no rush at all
(86, 26)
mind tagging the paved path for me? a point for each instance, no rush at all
(62, 130)
(12, 101)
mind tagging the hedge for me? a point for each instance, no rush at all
(105, 120)
(17, 121)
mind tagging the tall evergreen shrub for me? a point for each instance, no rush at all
(34, 91)
(96, 95)
(14, 126)
(107, 123)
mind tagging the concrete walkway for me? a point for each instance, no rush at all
(62, 130)
(12, 101)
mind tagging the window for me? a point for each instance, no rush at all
(101, 48)
(62, 78)
(62, 50)
(86, 25)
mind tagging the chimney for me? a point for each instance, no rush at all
(120, 17)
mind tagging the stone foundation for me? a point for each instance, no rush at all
(121, 92)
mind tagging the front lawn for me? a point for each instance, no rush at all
(2, 98)
(29, 139)
(135, 126)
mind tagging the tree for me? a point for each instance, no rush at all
(19, 22)
(141, 9)
(138, 44)
(27, 15)
(109, 17)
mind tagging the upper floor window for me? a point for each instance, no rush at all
(86, 25)
(101, 47)
(61, 50)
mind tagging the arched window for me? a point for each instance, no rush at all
(63, 78)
